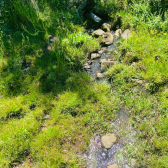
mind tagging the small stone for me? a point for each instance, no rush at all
(133, 162)
(118, 33)
(138, 81)
(99, 75)
(53, 39)
(95, 55)
(98, 32)
(86, 66)
(105, 60)
(50, 47)
(157, 57)
(106, 63)
(108, 140)
(107, 38)
(113, 166)
(106, 27)
(103, 49)
(90, 62)
(126, 34)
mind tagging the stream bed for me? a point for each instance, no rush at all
(98, 156)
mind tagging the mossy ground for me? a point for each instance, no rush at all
(50, 110)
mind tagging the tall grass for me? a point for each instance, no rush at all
(22, 15)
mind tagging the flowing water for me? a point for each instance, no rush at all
(97, 156)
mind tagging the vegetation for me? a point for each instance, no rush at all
(50, 107)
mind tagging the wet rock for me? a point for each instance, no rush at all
(95, 18)
(133, 162)
(107, 38)
(86, 66)
(95, 55)
(113, 166)
(105, 63)
(126, 34)
(98, 32)
(108, 140)
(118, 33)
(90, 31)
(106, 27)
(100, 75)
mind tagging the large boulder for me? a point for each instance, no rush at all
(107, 38)
(108, 140)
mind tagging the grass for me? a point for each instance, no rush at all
(50, 108)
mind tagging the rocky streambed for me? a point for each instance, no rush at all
(108, 150)
(103, 58)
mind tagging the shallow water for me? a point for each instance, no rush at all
(96, 66)
(99, 157)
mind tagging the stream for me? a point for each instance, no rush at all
(98, 156)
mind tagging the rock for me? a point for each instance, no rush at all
(106, 63)
(90, 62)
(105, 60)
(103, 49)
(50, 47)
(118, 33)
(138, 81)
(90, 31)
(95, 18)
(133, 162)
(107, 38)
(86, 66)
(113, 166)
(100, 75)
(53, 39)
(157, 57)
(106, 27)
(95, 55)
(126, 34)
(130, 57)
(98, 32)
(108, 140)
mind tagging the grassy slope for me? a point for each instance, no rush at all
(49, 113)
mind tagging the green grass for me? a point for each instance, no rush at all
(50, 111)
